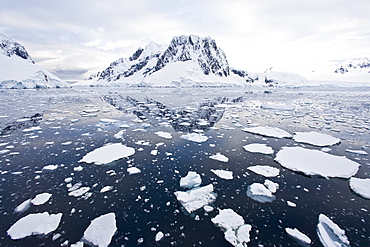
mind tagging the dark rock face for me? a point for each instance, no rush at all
(357, 64)
(11, 48)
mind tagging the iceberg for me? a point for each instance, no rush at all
(228, 175)
(191, 180)
(360, 186)
(268, 131)
(101, 230)
(108, 154)
(236, 232)
(258, 148)
(264, 170)
(219, 157)
(196, 198)
(314, 162)
(330, 234)
(315, 138)
(34, 224)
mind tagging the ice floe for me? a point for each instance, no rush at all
(268, 131)
(133, 170)
(298, 236)
(314, 162)
(163, 134)
(192, 179)
(360, 186)
(196, 198)
(106, 189)
(195, 137)
(262, 192)
(101, 230)
(265, 170)
(108, 154)
(219, 157)
(228, 175)
(359, 152)
(23, 206)
(315, 138)
(34, 224)
(79, 192)
(330, 234)
(50, 167)
(41, 199)
(236, 232)
(258, 148)
(159, 236)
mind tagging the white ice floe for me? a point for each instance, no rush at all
(79, 192)
(360, 152)
(50, 167)
(265, 170)
(66, 143)
(106, 189)
(258, 148)
(262, 192)
(330, 234)
(271, 186)
(41, 199)
(236, 232)
(34, 224)
(361, 186)
(219, 157)
(159, 236)
(228, 175)
(163, 134)
(196, 198)
(315, 138)
(192, 179)
(314, 162)
(119, 134)
(154, 152)
(268, 131)
(108, 121)
(298, 236)
(101, 230)
(195, 137)
(133, 170)
(108, 154)
(23, 206)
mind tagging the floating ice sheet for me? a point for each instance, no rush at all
(228, 175)
(219, 157)
(34, 224)
(268, 131)
(258, 148)
(163, 134)
(298, 236)
(108, 154)
(315, 138)
(361, 186)
(359, 152)
(262, 192)
(192, 179)
(330, 234)
(314, 162)
(265, 170)
(195, 137)
(196, 198)
(101, 230)
(41, 199)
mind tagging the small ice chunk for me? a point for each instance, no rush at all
(108, 154)
(265, 170)
(68, 180)
(23, 206)
(34, 224)
(119, 134)
(133, 170)
(298, 236)
(208, 208)
(196, 198)
(315, 138)
(258, 148)
(195, 137)
(163, 134)
(236, 232)
(260, 193)
(79, 192)
(359, 152)
(291, 204)
(101, 230)
(330, 234)
(106, 189)
(314, 162)
(108, 121)
(154, 152)
(191, 180)
(78, 244)
(271, 186)
(268, 131)
(78, 168)
(360, 186)
(66, 143)
(41, 199)
(159, 236)
(219, 157)
(50, 167)
(228, 175)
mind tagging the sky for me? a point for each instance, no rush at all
(75, 38)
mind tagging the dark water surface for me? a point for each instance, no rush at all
(145, 203)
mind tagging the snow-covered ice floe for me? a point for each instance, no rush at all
(268, 131)
(41, 199)
(258, 148)
(219, 157)
(235, 230)
(265, 170)
(315, 138)
(108, 154)
(101, 230)
(195, 137)
(262, 192)
(34, 224)
(228, 175)
(23, 206)
(133, 170)
(360, 186)
(300, 237)
(191, 180)
(163, 134)
(196, 198)
(359, 152)
(330, 234)
(314, 162)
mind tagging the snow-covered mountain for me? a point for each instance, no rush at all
(356, 65)
(18, 70)
(188, 61)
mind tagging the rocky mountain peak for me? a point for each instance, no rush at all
(9, 47)
(354, 65)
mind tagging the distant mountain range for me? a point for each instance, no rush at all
(18, 70)
(356, 65)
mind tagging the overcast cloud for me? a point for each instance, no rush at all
(74, 38)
